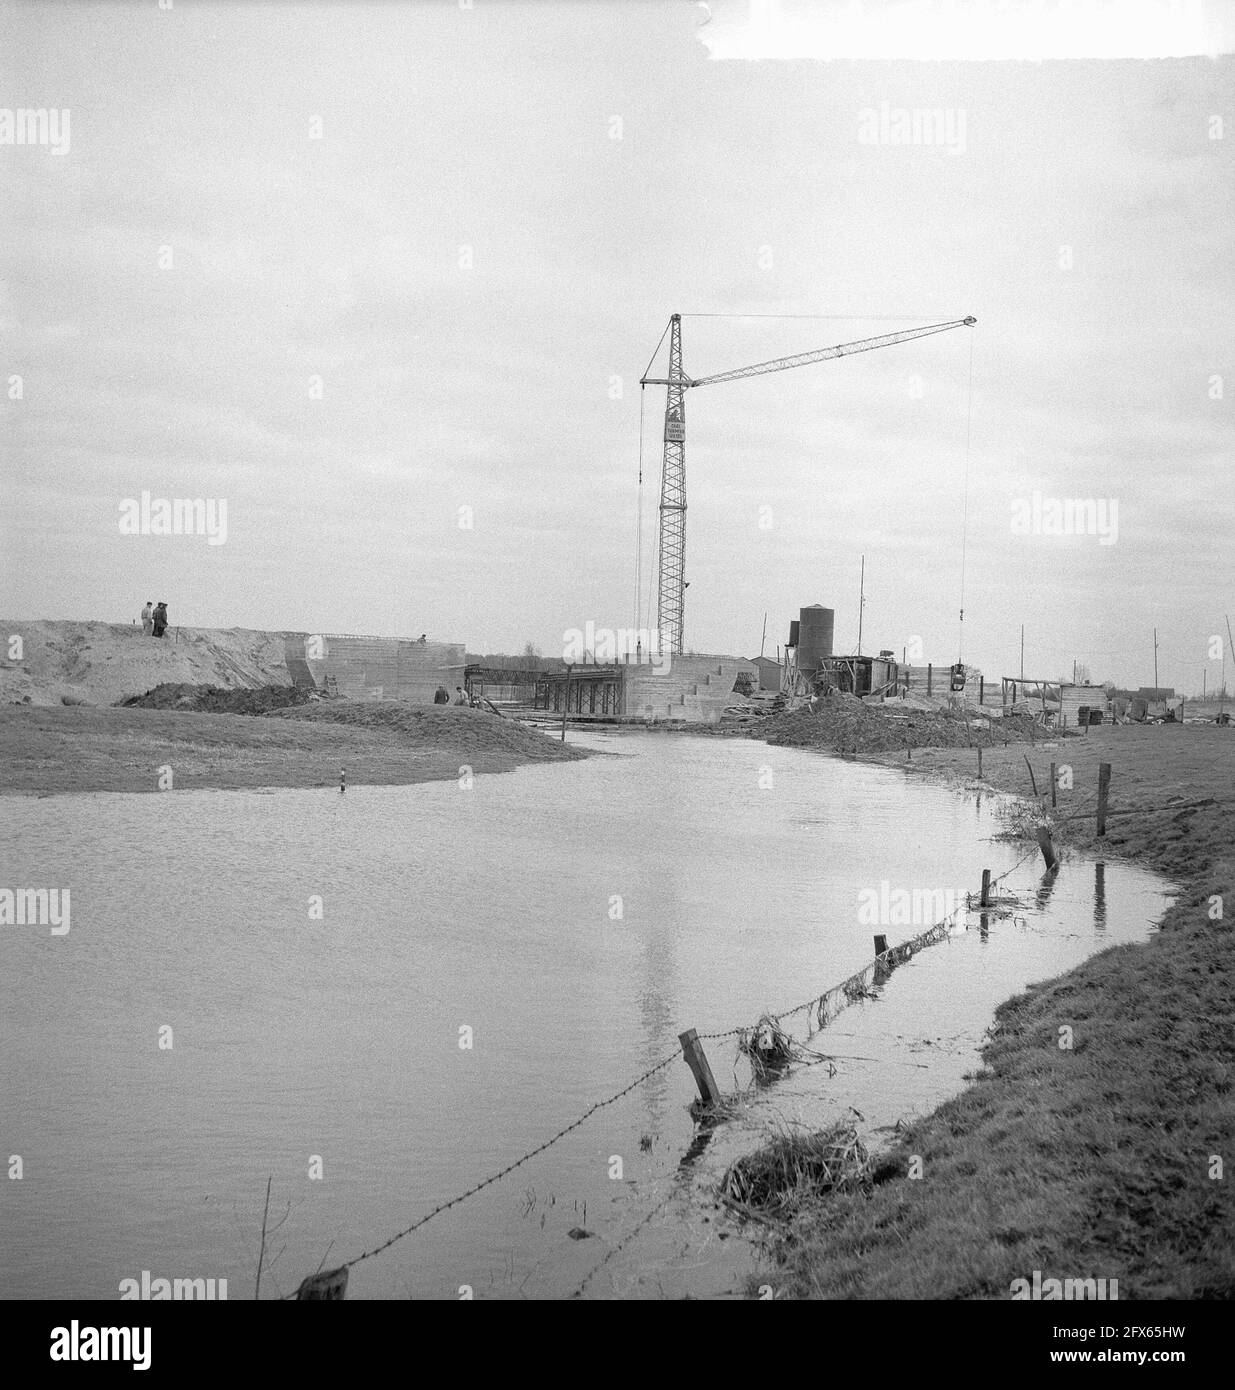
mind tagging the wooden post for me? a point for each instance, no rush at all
(881, 945)
(1053, 785)
(981, 690)
(928, 677)
(565, 700)
(1104, 787)
(1047, 848)
(1033, 781)
(908, 753)
(328, 1287)
(696, 1060)
(343, 779)
(979, 760)
(985, 899)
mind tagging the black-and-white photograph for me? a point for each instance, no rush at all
(616, 671)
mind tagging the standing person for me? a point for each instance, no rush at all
(160, 618)
(441, 696)
(147, 619)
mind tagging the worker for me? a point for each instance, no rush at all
(441, 696)
(148, 619)
(460, 697)
(160, 618)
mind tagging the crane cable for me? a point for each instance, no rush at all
(960, 638)
(639, 517)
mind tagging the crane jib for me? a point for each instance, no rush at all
(671, 586)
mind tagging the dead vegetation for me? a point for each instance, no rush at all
(796, 1170)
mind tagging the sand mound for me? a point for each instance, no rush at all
(214, 699)
(103, 663)
(844, 722)
(445, 726)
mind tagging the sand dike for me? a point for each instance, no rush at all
(85, 663)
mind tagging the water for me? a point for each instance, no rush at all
(574, 917)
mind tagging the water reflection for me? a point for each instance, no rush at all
(488, 910)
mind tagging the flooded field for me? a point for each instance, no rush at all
(315, 966)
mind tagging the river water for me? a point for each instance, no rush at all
(285, 984)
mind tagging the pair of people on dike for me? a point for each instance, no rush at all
(154, 619)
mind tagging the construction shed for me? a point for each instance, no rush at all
(770, 672)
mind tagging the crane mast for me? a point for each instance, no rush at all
(671, 591)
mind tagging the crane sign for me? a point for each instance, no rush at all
(671, 597)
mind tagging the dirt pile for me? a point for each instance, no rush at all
(86, 663)
(214, 699)
(469, 731)
(847, 724)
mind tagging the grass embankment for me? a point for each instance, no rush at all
(1095, 1161)
(379, 743)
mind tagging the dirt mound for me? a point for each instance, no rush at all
(845, 723)
(86, 663)
(214, 699)
(470, 731)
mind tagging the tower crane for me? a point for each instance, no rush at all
(671, 593)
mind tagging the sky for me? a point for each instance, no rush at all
(382, 281)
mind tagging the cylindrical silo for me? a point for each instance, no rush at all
(815, 627)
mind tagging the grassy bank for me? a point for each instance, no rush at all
(380, 743)
(1098, 1160)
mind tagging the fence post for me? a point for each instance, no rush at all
(1104, 787)
(979, 760)
(881, 945)
(928, 677)
(1047, 848)
(985, 899)
(565, 700)
(328, 1287)
(696, 1060)
(1053, 785)
(981, 690)
(1033, 781)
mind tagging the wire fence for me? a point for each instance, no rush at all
(820, 1009)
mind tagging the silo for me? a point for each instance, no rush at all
(815, 626)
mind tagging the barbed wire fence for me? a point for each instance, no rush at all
(821, 1010)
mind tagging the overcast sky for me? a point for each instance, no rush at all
(504, 206)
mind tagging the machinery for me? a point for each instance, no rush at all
(671, 592)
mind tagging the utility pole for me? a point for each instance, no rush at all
(764, 638)
(1155, 663)
(861, 602)
(1022, 651)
